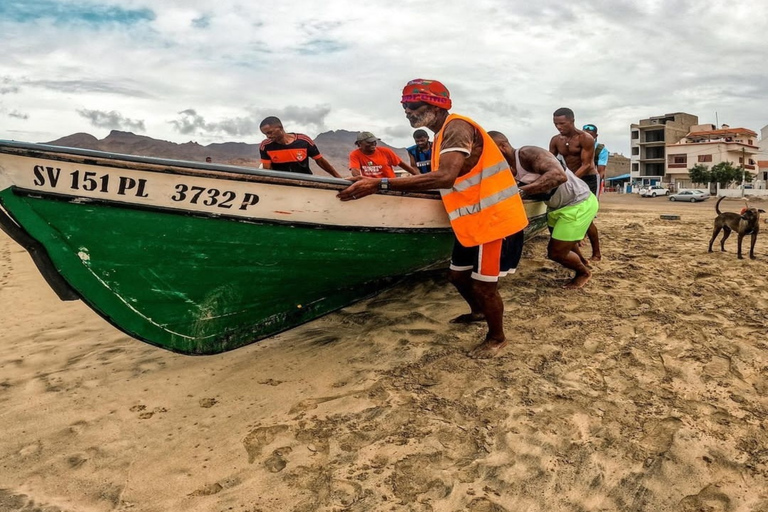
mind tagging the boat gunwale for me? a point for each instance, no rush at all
(187, 168)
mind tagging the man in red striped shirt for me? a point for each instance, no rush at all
(289, 152)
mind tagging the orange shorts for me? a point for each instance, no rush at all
(490, 261)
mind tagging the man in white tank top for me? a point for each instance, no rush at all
(571, 205)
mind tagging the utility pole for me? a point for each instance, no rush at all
(743, 169)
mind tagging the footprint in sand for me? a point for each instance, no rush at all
(207, 403)
(208, 490)
(709, 499)
(31, 449)
(10, 502)
(276, 462)
(144, 414)
(260, 438)
(660, 435)
(312, 403)
(484, 505)
(76, 461)
(410, 482)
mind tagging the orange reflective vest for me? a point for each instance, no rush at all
(483, 205)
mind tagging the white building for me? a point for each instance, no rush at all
(762, 158)
(707, 145)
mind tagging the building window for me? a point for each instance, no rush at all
(751, 162)
(635, 167)
(705, 158)
(635, 134)
(678, 159)
(749, 142)
(635, 150)
(654, 136)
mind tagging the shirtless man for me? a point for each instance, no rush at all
(571, 205)
(576, 148)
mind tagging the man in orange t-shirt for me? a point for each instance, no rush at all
(374, 162)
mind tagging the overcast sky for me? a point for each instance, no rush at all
(209, 71)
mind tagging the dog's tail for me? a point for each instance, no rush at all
(717, 205)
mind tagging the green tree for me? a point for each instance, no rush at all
(700, 174)
(725, 173)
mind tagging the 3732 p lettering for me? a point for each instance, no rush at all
(213, 197)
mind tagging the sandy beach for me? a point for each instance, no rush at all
(645, 391)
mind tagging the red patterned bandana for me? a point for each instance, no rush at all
(428, 91)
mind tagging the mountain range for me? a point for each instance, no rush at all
(334, 146)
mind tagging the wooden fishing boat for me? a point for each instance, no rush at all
(201, 258)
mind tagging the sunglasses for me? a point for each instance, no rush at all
(589, 127)
(413, 105)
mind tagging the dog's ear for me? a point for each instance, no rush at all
(761, 210)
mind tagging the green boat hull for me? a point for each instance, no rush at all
(202, 258)
(203, 285)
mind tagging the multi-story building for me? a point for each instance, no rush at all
(649, 139)
(707, 145)
(762, 158)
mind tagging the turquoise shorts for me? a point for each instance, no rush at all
(570, 223)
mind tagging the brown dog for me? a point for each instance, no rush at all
(745, 223)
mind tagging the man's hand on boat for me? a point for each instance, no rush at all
(360, 188)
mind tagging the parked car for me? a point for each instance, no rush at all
(689, 195)
(653, 191)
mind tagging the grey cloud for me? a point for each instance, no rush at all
(190, 122)
(321, 46)
(310, 118)
(89, 86)
(399, 132)
(8, 85)
(322, 26)
(13, 113)
(202, 22)
(307, 116)
(111, 120)
(515, 114)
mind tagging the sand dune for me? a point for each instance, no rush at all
(645, 391)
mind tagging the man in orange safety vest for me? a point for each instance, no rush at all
(480, 196)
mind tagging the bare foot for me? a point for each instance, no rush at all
(468, 318)
(596, 257)
(578, 282)
(487, 349)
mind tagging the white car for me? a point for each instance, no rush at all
(689, 195)
(653, 191)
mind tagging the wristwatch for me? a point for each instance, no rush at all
(384, 184)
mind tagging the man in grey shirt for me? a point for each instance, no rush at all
(572, 206)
